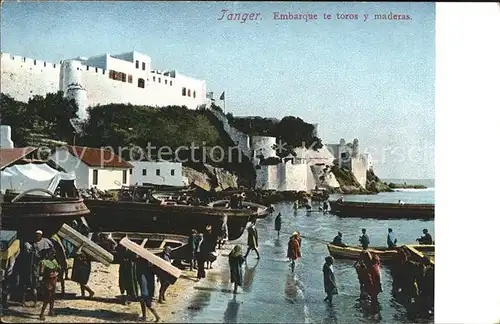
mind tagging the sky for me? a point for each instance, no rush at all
(372, 80)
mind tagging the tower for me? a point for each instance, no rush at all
(355, 147)
(72, 86)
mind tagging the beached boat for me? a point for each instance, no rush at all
(155, 242)
(27, 213)
(353, 252)
(260, 211)
(136, 210)
(382, 210)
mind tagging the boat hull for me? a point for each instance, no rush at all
(123, 216)
(353, 252)
(32, 213)
(261, 211)
(382, 210)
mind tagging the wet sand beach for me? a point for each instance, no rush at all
(105, 306)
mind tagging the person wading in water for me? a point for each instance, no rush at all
(235, 261)
(277, 224)
(329, 280)
(294, 249)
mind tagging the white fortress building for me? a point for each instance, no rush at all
(100, 80)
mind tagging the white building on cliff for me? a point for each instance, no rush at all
(104, 79)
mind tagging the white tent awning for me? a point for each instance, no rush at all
(30, 176)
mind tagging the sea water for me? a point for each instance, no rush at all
(271, 293)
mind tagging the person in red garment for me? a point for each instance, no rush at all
(375, 284)
(294, 249)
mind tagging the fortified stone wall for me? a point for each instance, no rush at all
(23, 78)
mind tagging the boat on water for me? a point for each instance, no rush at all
(385, 254)
(145, 214)
(260, 211)
(382, 210)
(27, 212)
(353, 252)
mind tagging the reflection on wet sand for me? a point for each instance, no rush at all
(330, 315)
(231, 313)
(248, 276)
(291, 288)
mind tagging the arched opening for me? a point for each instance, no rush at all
(140, 83)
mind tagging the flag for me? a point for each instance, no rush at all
(222, 96)
(210, 95)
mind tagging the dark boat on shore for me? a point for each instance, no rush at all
(260, 211)
(382, 210)
(26, 213)
(134, 212)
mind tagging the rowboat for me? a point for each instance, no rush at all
(382, 210)
(27, 213)
(416, 251)
(353, 252)
(155, 242)
(260, 211)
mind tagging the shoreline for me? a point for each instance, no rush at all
(105, 306)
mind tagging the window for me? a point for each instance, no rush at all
(94, 177)
(170, 82)
(34, 62)
(159, 80)
(184, 92)
(166, 81)
(124, 177)
(96, 70)
(189, 92)
(144, 66)
(194, 93)
(130, 171)
(144, 172)
(44, 64)
(157, 172)
(88, 67)
(130, 78)
(172, 172)
(140, 83)
(154, 78)
(123, 76)
(136, 64)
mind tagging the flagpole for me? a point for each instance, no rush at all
(224, 102)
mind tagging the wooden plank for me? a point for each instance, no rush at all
(88, 247)
(157, 261)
